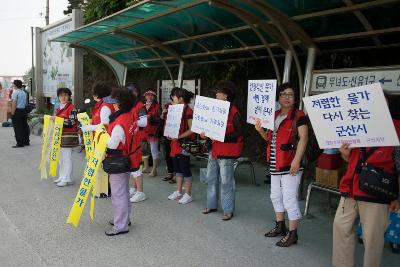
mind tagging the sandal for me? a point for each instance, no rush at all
(207, 210)
(167, 178)
(172, 181)
(227, 216)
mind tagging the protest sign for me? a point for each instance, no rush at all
(210, 116)
(173, 122)
(261, 102)
(358, 116)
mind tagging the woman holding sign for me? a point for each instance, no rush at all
(124, 143)
(222, 157)
(69, 137)
(181, 158)
(285, 157)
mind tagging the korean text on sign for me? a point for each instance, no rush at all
(173, 121)
(210, 116)
(261, 102)
(355, 116)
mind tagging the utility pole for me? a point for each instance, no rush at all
(33, 82)
(47, 12)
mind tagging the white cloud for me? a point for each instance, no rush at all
(16, 19)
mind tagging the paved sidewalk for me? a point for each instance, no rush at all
(33, 213)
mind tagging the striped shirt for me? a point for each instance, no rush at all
(272, 158)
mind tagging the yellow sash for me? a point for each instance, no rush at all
(56, 143)
(83, 118)
(47, 129)
(89, 179)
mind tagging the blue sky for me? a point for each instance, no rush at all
(16, 19)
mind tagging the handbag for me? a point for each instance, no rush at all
(375, 181)
(69, 139)
(115, 162)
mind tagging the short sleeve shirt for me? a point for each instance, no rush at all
(19, 97)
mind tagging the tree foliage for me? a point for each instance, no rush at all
(73, 4)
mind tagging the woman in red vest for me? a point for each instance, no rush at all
(139, 113)
(102, 110)
(181, 158)
(222, 157)
(67, 111)
(124, 140)
(285, 163)
(354, 203)
(153, 120)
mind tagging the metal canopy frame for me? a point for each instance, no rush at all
(268, 23)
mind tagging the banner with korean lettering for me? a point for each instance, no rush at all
(83, 118)
(358, 116)
(89, 178)
(210, 116)
(48, 126)
(173, 121)
(56, 144)
(261, 102)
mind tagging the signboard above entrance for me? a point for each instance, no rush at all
(333, 80)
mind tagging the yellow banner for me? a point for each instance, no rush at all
(89, 179)
(83, 118)
(55, 147)
(47, 128)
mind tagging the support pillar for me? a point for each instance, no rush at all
(38, 69)
(288, 66)
(77, 62)
(180, 74)
(311, 54)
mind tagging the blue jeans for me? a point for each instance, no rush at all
(223, 168)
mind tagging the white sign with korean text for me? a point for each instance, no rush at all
(173, 121)
(261, 102)
(334, 80)
(210, 116)
(57, 60)
(358, 116)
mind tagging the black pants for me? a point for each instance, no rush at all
(21, 127)
(168, 159)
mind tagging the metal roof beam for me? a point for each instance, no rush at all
(174, 10)
(149, 41)
(247, 18)
(364, 21)
(345, 9)
(356, 35)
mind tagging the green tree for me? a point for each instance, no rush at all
(73, 4)
(97, 9)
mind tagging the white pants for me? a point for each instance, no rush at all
(65, 164)
(154, 149)
(284, 194)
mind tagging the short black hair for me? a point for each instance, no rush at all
(124, 97)
(133, 87)
(228, 88)
(64, 90)
(17, 83)
(101, 89)
(181, 92)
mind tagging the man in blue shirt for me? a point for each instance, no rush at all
(19, 115)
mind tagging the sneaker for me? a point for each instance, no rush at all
(185, 199)
(132, 191)
(62, 184)
(175, 195)
(139, 196)
(57, 180)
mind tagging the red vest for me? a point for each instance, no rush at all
(132, 140)
(176, 148)
(228, 150)
(135, 112)
(96, 111)
(381, 158)
(153, 112)
(284, 148)
(65, 113)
